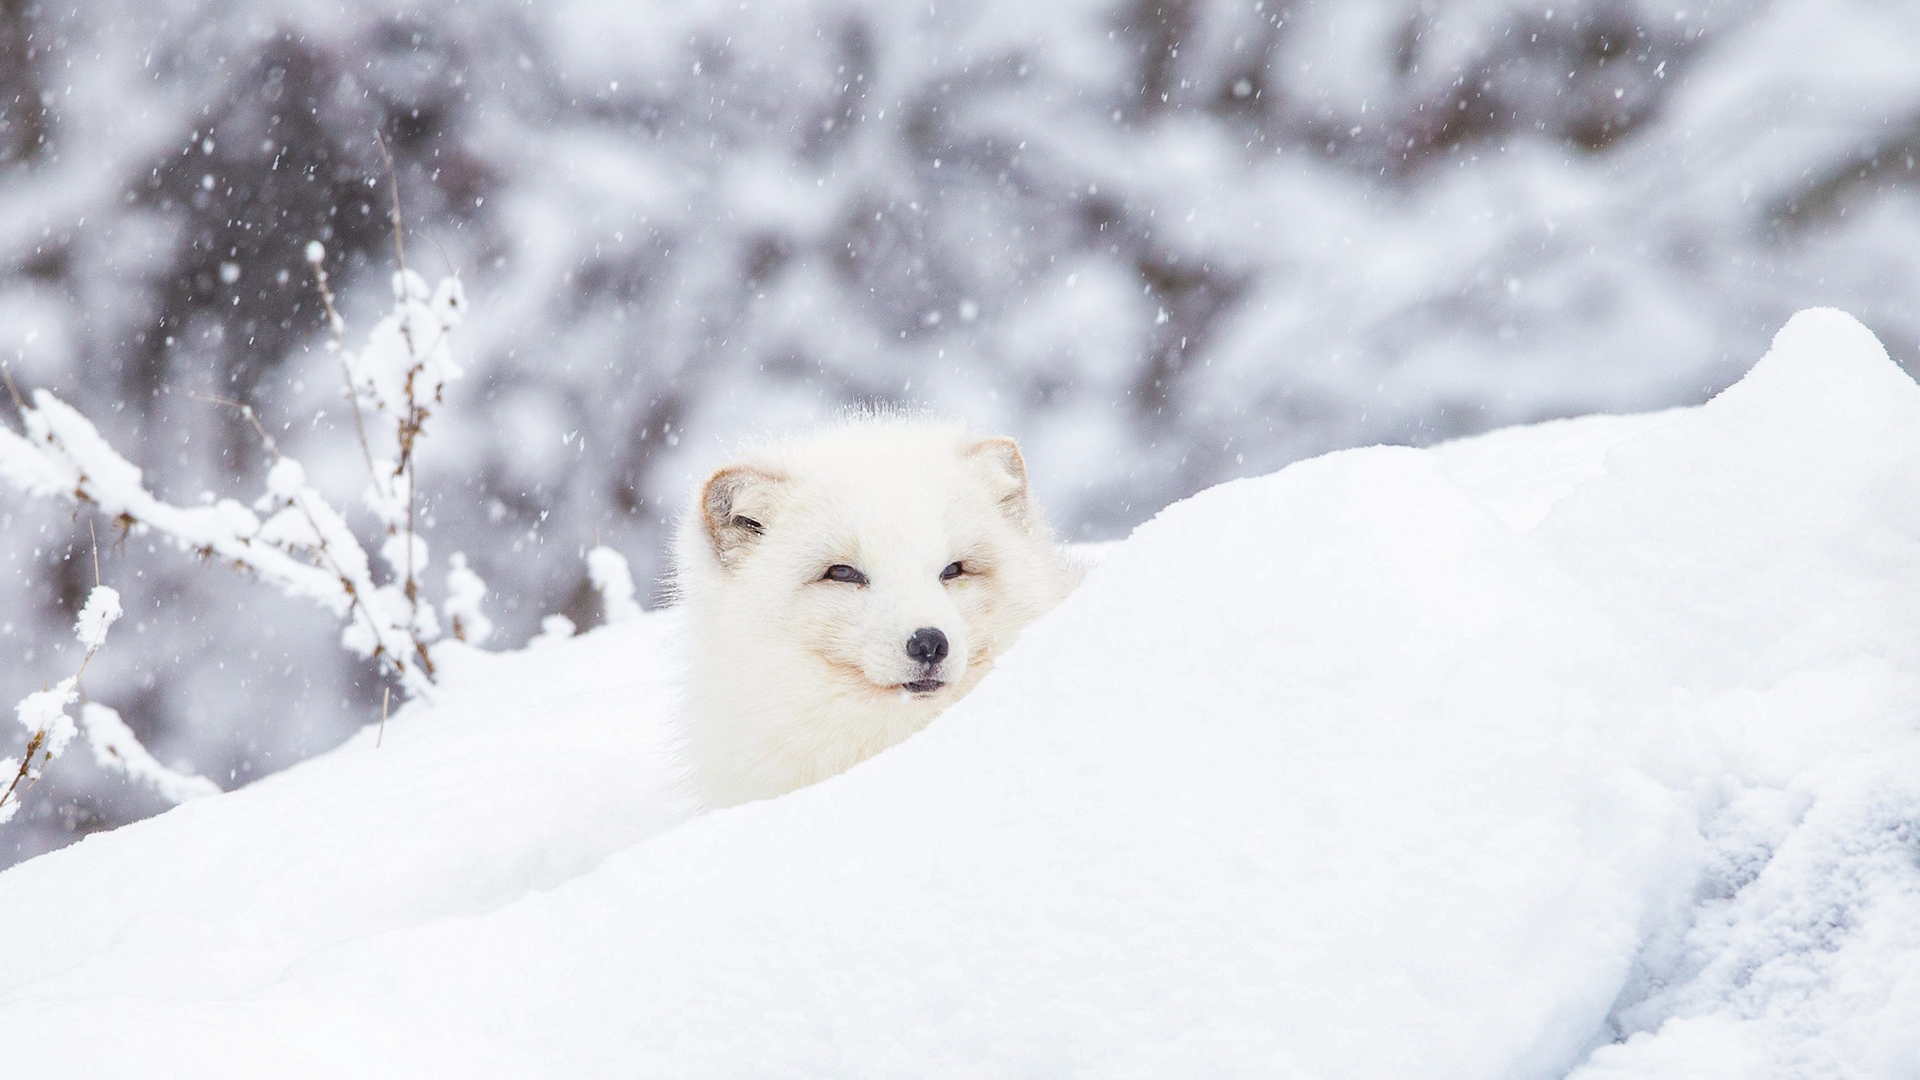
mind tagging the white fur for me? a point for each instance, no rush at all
(795, 677)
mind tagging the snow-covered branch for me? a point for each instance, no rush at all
(115, 747)
(50, 729)
(302, 547)
(291, 537)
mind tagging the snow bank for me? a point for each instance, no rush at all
(1584, 749)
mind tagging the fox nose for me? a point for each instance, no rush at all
(927, 645)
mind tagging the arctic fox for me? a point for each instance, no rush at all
(842, 588)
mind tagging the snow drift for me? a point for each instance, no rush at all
(1582, 749)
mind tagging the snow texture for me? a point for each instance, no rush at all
(1586, 749)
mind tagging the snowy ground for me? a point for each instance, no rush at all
(1586, 749)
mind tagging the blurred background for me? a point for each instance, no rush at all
(1163, 242)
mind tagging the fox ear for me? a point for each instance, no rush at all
(735, 503)
(1006, 470)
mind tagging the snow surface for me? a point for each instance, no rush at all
(1587, 749)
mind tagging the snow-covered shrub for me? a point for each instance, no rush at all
(291, 537)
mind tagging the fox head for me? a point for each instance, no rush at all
(889, 554)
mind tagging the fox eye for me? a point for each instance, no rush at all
(845, 573)
(954, 569)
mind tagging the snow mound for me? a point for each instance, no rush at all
(1584, 749)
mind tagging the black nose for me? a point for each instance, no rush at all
(927, 645)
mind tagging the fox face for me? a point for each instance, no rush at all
(846, 587)
(886, 571)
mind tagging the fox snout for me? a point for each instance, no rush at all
(927, 646)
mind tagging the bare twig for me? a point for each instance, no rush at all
(244, 409)
(393, 194)
(13, 389)
(316, 256)
(26, 767)
(445, 259)
(386, 699)
(413, 587)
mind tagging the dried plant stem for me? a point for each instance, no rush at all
(393, 195)
(416, 415)
(334, 328)
(13, 389)
(26, 767)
